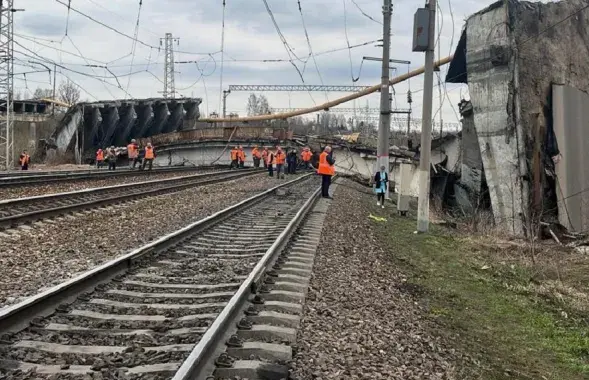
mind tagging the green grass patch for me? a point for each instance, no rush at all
(515, 335)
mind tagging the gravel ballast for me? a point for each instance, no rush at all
(65, 186)
(360, 321)
(47, 253)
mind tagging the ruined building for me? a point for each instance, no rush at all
(526, 67)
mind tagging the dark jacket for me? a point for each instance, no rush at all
(330, 159)
(378, 181)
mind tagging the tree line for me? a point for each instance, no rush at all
(66, 92)
(325, 123)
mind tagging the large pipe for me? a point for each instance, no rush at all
(332, 103)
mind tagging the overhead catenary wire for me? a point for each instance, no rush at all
(348, 43)
(134, 45)
(289, 51)
(91, 66)
(364, 13)
(311, 48)
(47, 60)
(120, 17)
(115, 30)
(222, 55)
(57, 49)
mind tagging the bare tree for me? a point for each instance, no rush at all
(41, 93)
(257, 105)
(68, 92)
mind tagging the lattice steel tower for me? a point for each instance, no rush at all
(169, 86)
(6, 84)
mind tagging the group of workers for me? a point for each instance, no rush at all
(134, 153)
(288, 162)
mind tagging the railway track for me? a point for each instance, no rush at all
(24, 178)
(164, 310)
(21, 210)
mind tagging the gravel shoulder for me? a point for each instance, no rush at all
(386, 303)
(61, 187)
(48, 253)
(362, 320)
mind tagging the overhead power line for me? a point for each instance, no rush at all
(115, 29)
(134, 45)
(120, 17)
(287, 47)
(310, 47)
(364, 13)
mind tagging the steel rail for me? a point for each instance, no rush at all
(199, 180)
(49, 177)
(17, 317)
(195, 366)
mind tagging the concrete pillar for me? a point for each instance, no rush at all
(175, 120)
(32, 138)
(162, 113)
(95, 119)
(126, 123)
(144, 119)
(109, 124)
(192, 109)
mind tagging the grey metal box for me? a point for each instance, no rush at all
(421, 29)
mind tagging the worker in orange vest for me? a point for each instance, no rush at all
(99, 158)
(270, 162)
(133, 153)
(256, 155)
(24, 160)
(326, 169)
(280, 159)
(234, 157)
(149, 156)
(306, 157)
(241, 156)
(265, 157)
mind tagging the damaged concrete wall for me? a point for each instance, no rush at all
(553, 48)
(570, 115)
(491, 83)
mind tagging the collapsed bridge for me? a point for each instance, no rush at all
(90, 125)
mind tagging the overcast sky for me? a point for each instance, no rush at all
(250, 38)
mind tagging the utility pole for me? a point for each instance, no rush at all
(54, 80)
(385, 104)
(169, 86)
(6, 84)
(428, 15)
(225, 94)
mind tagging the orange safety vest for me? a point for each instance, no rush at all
(233, 154)
(269, 158)
(280, 158)
(306, 155)
(25, 159)
(149, 153)
(100, 155)
(324, 167)
(256, 153)
(241, 154)
(132, 151)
